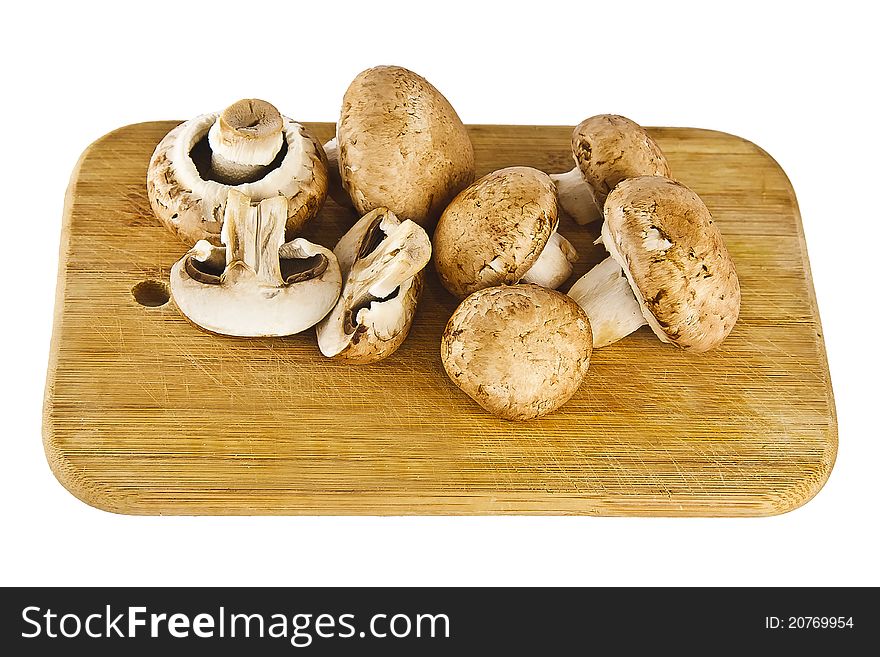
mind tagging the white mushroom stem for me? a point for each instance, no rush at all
(606, 296)
(245, 139)
(576, 197)
(331, 149)
(254, 235)
(554, 265)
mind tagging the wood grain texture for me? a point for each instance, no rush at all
(145, 414)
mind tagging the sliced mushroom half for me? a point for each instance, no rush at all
(256, 285)
(382, 261)
(249, 147)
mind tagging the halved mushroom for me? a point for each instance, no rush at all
(256, 285)
(668, 268)
(502, 230)
(401, 145)
(519, 351)
(249, 147)
(382, 261)
(607, 149)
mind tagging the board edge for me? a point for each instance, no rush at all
(830, 453)
(62, 469)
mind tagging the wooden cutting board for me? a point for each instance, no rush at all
(145, 414)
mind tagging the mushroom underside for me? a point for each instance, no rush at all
(612, 299)
(189, 197)
(256, 285)
(203, 158)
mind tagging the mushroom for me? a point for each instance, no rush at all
(334, 181)
(382, 261)
(606, 149)
(668, 268)
(519, 351)
(502, 230)
(257, 285)
(401, 145)
(248, 147)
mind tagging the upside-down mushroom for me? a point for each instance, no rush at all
(248, 147)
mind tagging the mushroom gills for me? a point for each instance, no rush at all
(576, 196)
(373, 237)
(383, 265)
(205, 263)
(367, 303)
(554, 265)
(606, 296)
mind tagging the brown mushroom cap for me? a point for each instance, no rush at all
(190, 201)
(610, 148)
(494, 231)
(673, 254)
(519, 351)
(401, 145)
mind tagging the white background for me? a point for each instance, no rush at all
(796, 81)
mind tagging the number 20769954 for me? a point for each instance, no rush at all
(808, 622)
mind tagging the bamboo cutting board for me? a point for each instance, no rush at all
(145, 414)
